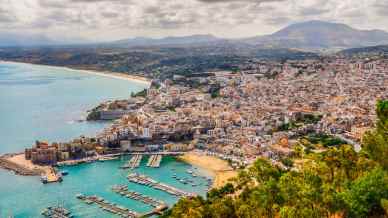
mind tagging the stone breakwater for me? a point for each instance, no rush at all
(18, 169)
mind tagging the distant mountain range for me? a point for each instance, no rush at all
(184, 40)
(311, 35)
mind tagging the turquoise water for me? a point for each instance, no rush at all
(38, 102)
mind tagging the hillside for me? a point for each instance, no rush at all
(381, 50)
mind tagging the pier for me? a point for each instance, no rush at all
(154, 161)
(134, 162)
(56, 212)
(146, 181)
(123, 191)
(109, 207)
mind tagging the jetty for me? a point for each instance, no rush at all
(134, 162)
(109, 207)
(146, 181)
(18, 168)
(123, 191)
(154, 161)
(56, 212)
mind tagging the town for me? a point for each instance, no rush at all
(264, 110)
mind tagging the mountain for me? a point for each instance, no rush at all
(184, 40)
(8, 39)
(321, 35)
(311, 35)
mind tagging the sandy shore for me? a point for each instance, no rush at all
(114, 75)
(219, 168)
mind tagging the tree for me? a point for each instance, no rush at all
(375, 142)
(363, 198)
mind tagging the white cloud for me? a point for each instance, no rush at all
(114, 19)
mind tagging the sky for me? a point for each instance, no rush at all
(106, 20)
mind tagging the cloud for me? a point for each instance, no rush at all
(228, 1)
(113, 19)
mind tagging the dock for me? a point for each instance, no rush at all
(154, 161)
(146, 181)
(134, 162)
(123, 191)
(109, 207)
(56, 212)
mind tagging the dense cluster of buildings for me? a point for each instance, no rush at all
(258, 111)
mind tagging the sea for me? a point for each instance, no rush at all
(50, 103)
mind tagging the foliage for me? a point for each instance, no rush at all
(375, 142)
(325, 140)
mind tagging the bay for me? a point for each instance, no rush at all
(46, 103)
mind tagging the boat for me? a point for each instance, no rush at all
(43, 179)
(64, 172)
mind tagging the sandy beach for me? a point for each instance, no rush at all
(218, 167)
(114, 75)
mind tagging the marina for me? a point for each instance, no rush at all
(154, 161)
(147, 181)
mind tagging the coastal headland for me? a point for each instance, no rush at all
(220, 169)
(20, 166)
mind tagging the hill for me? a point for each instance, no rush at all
(380, 49)
(321, 35)
(167, 41)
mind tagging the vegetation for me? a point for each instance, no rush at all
(337, 182)
(324, 140)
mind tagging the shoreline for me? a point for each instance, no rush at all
(220, 169)
(109, 74)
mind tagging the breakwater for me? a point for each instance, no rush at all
(18, 169)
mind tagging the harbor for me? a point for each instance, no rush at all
(154, 161)
(25, 197)
(147, 181)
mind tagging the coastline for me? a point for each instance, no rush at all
(20, 166)
(109, 74)
(219, 168)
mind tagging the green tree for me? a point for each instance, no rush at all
(363, 198)
(375, 142)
